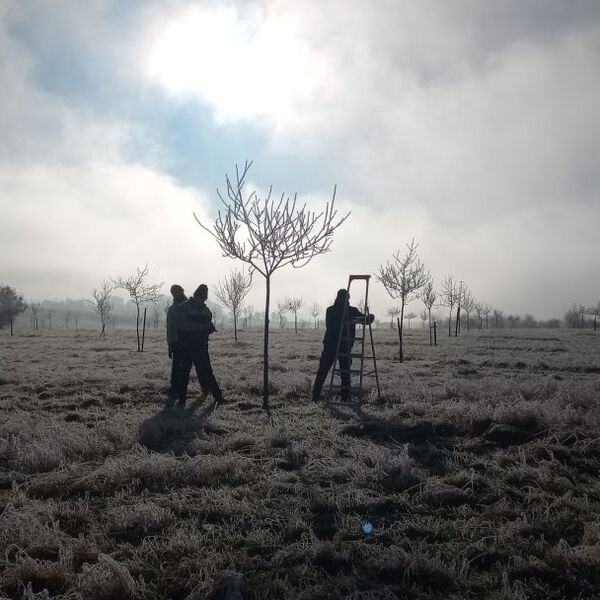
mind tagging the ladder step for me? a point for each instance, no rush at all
(353, 372)
(352, 354)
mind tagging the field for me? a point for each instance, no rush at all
(478, 471)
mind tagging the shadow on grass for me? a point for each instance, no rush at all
(174, 428)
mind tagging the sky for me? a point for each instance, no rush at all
(470, 126)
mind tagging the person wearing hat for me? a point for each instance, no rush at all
(194, 325)
(334, 324)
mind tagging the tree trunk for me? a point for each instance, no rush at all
(137, 326)
(400, 327)
(450, 323)
(235, 326)
(144, 329)
(430, 332)
(434, 333)
(296, 323)
(457, 324)
(11, 325)
(595, 320)
(266, 346)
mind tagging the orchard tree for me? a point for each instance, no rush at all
(393, 313)
(410, 316)
(468, 304)
(428, 296)
(282, 310)
(594, 311)
(269, 234)
(141, 292)
(102, 305)
(402, 278)
(231, 292)
(248, 314)
(36, 309)
(11, 305)
(315, 311)
(449, 297)
(294, 305)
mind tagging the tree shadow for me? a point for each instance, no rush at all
(175, 428)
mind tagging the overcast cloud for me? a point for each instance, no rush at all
(471, 126)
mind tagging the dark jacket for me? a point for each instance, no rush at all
(194, 320)
(333, 322)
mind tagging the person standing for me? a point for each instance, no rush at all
(179, 298)
(194, 325)
(339, 310)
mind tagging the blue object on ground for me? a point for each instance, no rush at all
(367, 528)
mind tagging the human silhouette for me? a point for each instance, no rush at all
(333, 322)
(194, 325)
(179, 298)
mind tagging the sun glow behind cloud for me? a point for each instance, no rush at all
(248, 68)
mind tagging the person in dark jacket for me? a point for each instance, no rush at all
(194, 325)
(333, 323)
(179, 297)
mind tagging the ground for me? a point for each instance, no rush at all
(478, 471)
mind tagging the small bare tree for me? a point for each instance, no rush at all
(593, 311)
(423, 317)
(270, 234)
(429, 296)
(68, 316)
(392, 313)
(449, 297)
(487, 309)
(231, 292)
(141, 292)
(248, 313)
(478, 307)
(102, 305)
(155, 315)
(468, 305)
(315, 311)
(294, 305)
(403, 277)
(36, 309)
(282, 310)
(11, 305)
(410, 316)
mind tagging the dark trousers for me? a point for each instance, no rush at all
(326, 362)
(196, 354)
(177, 372)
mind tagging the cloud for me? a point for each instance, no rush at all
(473, 129)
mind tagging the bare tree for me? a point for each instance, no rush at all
(49, 313)
(231, 292)
(468, 304)
(282, 310)
(67, 316)
(270, 234)
(410, 316)
(36, 309)
(403, 277)
(593, 311)
(423, 316)
(102, 305)
(155, 315)
(294, 305)
(315, 311)
(248, 315)
(429, 296)
(449, 297)
(141, 292)
(498, 317)
(487, 309)
(392, 313)
(11, 305)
